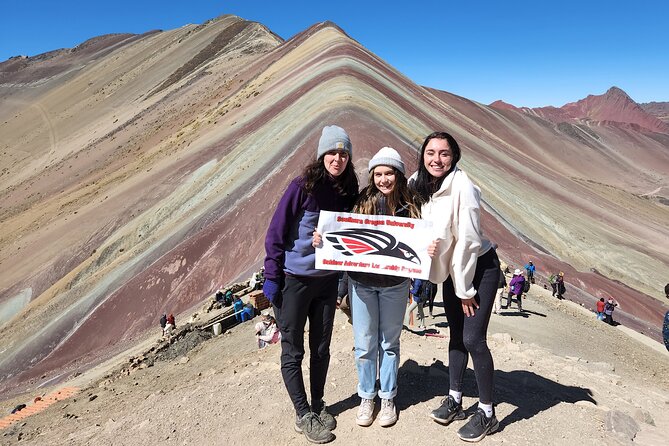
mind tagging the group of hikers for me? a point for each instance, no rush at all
(463, 262)
(167, 324)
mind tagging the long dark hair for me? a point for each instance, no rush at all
(370, 197)
(314, 174)
(425, 184)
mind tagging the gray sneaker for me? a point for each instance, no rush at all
(365, 415)
(388, 414)
(326, 417)
(313, 428)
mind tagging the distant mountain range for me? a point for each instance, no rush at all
(139, 173)
(613, 108)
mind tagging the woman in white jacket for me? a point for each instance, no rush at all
(468, 267)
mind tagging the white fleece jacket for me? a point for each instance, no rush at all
(455, 214)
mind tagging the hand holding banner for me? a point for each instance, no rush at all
(380, 244)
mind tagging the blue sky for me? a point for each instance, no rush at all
(525, 52)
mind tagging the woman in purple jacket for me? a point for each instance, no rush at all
(516, 289)
(297, 290)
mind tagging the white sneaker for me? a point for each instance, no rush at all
(365, 412)
(388, 415)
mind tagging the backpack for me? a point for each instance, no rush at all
(526, 286)
(427, 290)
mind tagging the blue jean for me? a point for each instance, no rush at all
(378, 313)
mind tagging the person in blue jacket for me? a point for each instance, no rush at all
(297, 290)
(530, 268)
(238, 306)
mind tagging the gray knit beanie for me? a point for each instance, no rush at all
(387, 156)
(333, 138)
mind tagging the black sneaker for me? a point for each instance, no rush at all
(448, 411)
(326, 417)
(313, 428)
(478, 427)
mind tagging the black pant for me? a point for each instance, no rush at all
(468, 334)
(430, 301)
(519, 297)
(302, 298)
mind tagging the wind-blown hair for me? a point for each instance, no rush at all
(372, 201)
(346, 184)
(425, 184)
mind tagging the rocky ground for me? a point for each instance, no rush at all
(562, 378)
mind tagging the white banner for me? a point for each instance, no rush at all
(379, 244)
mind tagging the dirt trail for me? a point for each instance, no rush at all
(562, 377)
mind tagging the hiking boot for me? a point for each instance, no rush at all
(478, 427)
(388, 415)
(326, 417)
(448, 411)
(365, 412)
(313, 428)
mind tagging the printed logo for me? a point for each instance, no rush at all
(370, 241)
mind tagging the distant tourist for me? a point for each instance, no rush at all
(421, 292)
(238, 309)
(560, 286)
(267, 331)
(600, 309)
(170, 325)
(501, 286)
(228, 299)
(343, 300)
(608, 311)
(163, 322)
(530, 268)
(516, 287)
(219, 296)
(552, 279)
(256, 280)
(468, 266)
(297, 290)
(665, 325)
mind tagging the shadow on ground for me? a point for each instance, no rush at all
(528, 392)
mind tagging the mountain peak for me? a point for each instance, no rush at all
(616, 92)
(500, 104)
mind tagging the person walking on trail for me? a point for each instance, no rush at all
(608, 311)
(530, 268)
(170, 325)
(600, 309)
(501, 286)
(560, 286)
(430, 301)
(378, 301)
(468, 266)
(421, 292)
(516, 288)
(552, 279)
(163, 323)
(297, 290)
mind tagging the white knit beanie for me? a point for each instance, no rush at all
(333, 138)
(387, 156)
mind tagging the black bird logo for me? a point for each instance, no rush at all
(370, 241)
